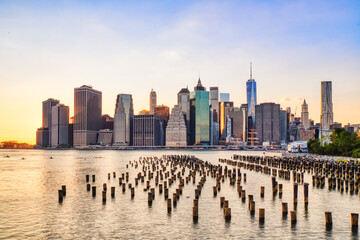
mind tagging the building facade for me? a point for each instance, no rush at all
(153, 101)
(176, 133)
(268, 123)
(146, 130)
(87, 115)
(251, 99)
(184, 102)
(223, 117)
(60, 125)
(123, 120)
(47, 118)
(199, 116)
(327, 116)
(305, 115)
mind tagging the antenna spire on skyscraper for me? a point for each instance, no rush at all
(250, 70)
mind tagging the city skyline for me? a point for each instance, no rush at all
(291, 58)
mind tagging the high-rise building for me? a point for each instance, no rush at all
(87, 115)
(305, 115)
(199, 115)
(224, 112)
(146, 130)
(224, 97)
(59, 125)
(251, 98)
(46, 116)
(214, 99)
(123, 120)
(162, 112)
(237, 119)
(283, 126)
(245, 118)
(268, 122)
(152, 101)
(327, 116)
(176, 134)
(184, 103)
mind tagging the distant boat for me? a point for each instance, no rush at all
(51, 157)
(7, 156)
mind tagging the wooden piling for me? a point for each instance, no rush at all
(262, 191)
(293, 217)
(284, 208)
(252, 207)
(87, 178)
(195, 213)
(93, 178)
(104, 187)
(63, 188)
(104, 196)
(261, 215)
(214, 191)
(113, 192)
(132, 192)
(169, 205)
(93, 191)
(328, 219)
(88, 187)
(354, 221)
(295, 193)
(227, 214)
(306, 193)
(61, 196)
(222, 199)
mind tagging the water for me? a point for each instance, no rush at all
(29, 205)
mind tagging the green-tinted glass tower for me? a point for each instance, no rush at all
(199, 116)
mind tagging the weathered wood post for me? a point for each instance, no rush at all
(93, 178)
(295, 193)
(113, 192)
(293, 217)
(169, 205)
(93, 191)
(61, 196)
(132, 192)
(222, 200)
(104, 196)
(354, 221)
(87, 178)
(63, 188)
(306, 193)
(328, 220)
(261, 215)
(227, 214)
(262, 191)
(284, 207)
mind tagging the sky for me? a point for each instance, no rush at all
(47, 48)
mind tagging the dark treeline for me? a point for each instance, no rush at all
(343, 143)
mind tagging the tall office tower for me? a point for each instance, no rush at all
(176, 134)
(305, 115)
(123, 120)
(152, 101)
(268, 122)
(251, 98)
(199, 115)
(184, 103)
(146, 130)
(46, 118)
(214, 99)
(244, 127)
(59, 125)
(163, 113)
(224, 97)
(224, 111)
(87, 115)
(283, 126)
(326, 105)
(237, 119)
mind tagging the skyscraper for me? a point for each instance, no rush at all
(123, 120)
(268, 122)
(152, 101)
(146, 130)
(199, 115)
(305, 115)
(214, 100)
(223, 123)
(59, 125)
(87, 115)
(176, 134)
(283, 126)
(326, 105)
(184, 103)
(47, 118)
(251, 98)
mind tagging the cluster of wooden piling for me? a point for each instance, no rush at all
(62, 193)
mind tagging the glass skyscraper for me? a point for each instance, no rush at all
(123, 120)
(199, 116)
(251, 98)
